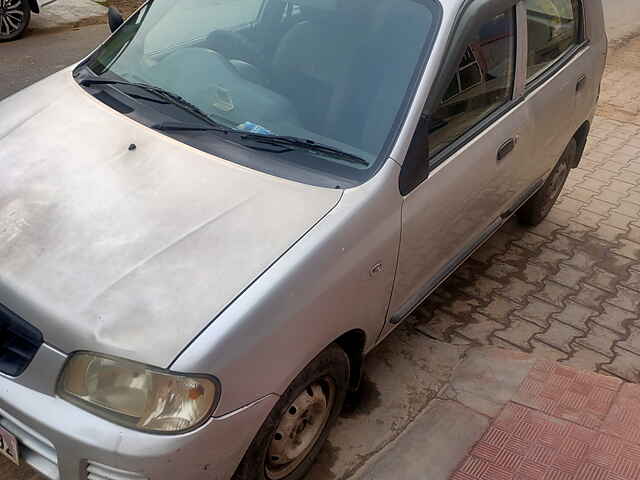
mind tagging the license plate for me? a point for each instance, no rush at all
(9, 446)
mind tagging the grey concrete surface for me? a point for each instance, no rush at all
(442, 435)
(38, 55)
(432, 447)
(65, 12)
(488, 378)
(403, 375)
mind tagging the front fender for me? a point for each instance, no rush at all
(323, 287)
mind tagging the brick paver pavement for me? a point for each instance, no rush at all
(569, 289)
(563, 424)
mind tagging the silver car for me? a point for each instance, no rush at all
(207, 223)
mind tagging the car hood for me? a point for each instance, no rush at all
(130, 252)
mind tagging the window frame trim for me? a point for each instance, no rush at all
(516, 95)
(416, 163)
(470, 135)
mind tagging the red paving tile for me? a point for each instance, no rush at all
(526, 444)
(624, 418)
(580, 397)
(564, 424)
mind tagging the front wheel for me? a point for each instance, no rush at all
(538, 207)
(14, 18)
(290, 439)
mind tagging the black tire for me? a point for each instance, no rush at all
(538, 207)
(15, 16)
(333, 364)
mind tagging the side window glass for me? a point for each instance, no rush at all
(553, 28)
(482, 83)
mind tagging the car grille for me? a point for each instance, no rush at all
(19, 343)
(35, 450)
(97, 471)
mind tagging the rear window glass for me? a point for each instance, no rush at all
(553, 28)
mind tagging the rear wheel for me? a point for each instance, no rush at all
(14, 18)
(290, 439)
(539, 206)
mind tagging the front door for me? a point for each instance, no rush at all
(477, 144)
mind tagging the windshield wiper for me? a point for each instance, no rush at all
(161, 92)
(304, 144)
(148, 99)
(187, 127)
(288, 143)
(280, 141)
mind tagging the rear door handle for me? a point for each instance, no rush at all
(506, 148)
(582, 81)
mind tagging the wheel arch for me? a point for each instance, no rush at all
(353, 343)
(581, 137)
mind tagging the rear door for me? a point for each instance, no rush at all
(558, 73)
(478, 141)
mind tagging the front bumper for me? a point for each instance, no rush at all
(64, 442)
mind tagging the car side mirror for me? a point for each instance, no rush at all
(115, 19)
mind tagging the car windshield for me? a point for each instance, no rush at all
(338, 73)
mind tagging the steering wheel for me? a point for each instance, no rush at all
(234, 46)
(194, 72)
(189, 63)
(242, 53)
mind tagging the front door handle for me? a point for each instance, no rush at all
(582, 81)
(506, 148)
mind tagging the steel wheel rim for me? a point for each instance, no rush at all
(12, 17)
(300, 428)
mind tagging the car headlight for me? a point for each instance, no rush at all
(136, 395)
